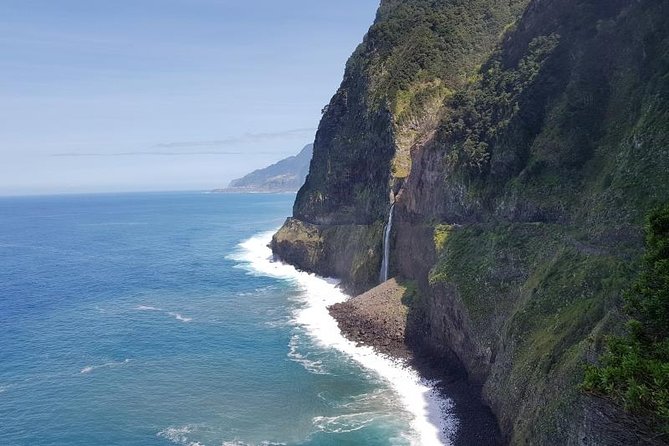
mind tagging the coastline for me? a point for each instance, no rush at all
(432, 422)
(377, 319)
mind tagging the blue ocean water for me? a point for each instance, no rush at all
(157, 319)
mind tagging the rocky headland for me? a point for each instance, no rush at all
(286, 175)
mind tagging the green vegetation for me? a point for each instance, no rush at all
(416, 111)
(422, 51)
(486, 262)
(572, 109)
(634, 371)
(552, 154)
(441, 233)
(543, 291)
(413, 57)
(551, 146)
(421, 40)
(411, 296)
(484, 110)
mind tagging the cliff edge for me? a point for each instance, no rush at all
(522, 143)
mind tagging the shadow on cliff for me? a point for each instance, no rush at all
(477, 424)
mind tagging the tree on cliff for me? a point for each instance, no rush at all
(634, 371)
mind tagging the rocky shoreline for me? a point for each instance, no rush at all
(377, 318)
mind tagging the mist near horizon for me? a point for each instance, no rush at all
(173, 95)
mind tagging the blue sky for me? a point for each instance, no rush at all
(130, 95)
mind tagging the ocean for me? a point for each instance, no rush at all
(161, 319)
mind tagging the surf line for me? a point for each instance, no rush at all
(433, 423)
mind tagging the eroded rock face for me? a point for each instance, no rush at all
(537, 242)
(605, 423)
(348, 252)
(390, 101)
(520, 218)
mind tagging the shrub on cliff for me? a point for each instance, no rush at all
(485, 109)
(634, 371)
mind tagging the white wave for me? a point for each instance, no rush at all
(115, 223)
(90, 368)
(343, 423)
(313, 366)
(147, 308)
(179, 435)
(179, 317)
(241, 443)
(279, 323)
(432, 422)
(174, 314)
(367, 401)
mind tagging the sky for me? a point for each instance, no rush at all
(143, 95)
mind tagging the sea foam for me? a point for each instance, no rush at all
(179, 435)
(174, 314)
(180, 317)
(90, 368)
(147, 308)
(313, 366)
(432, 422)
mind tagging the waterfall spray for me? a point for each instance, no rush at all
(383, 276)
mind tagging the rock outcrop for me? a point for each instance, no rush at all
(377, 318)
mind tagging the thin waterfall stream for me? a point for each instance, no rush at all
(383, 276)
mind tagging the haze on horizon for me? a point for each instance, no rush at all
(140, 95)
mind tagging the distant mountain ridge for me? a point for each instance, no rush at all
(287, 175)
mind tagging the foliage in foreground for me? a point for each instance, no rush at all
(634, 371)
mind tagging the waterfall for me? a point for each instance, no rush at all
(383, 276)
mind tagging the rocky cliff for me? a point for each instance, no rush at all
(523, 142)
(286, 175)
(392, 98)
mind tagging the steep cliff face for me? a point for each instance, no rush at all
(414, 56)
(520, 196)
(346, 251)
(538, 181)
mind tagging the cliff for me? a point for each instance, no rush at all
(287, 175)
(392, 98)
(523, 143)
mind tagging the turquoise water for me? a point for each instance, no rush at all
(157, 319)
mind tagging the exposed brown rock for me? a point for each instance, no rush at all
(377, 318)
